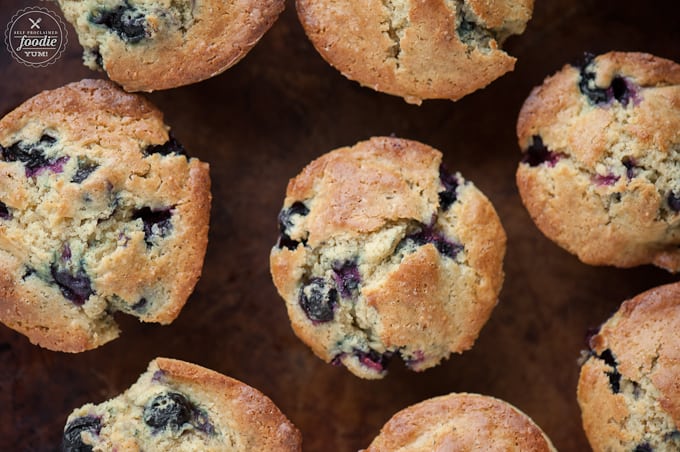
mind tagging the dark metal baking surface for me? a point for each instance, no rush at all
(258, 124)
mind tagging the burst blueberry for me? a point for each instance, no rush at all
(169, 410)
(614, 376)
(427, 234)
(347, 278)
(621, 89)
(85, 168)
(674, 201)
(373, 359)
(125, 20)
(286, 222)
(538, 153)
(318, 300)
(4, 212)
(172, 146)
(155, 221)
(72, 440)
(74, 287)
(448, 195)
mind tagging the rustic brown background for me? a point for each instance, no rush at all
(258, 124)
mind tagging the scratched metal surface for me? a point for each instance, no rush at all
(258, 124)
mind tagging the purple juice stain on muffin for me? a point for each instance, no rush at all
(125, 20)
(286, 221)
(74, 287)
(538, 153)
(417, 358)
(318, 300)
(450, 182)
(5, 214)
(427, 234)
(155, 221)
(172, 146)
(72, 440)
(621, 89)
(608, 179)
(347, 278)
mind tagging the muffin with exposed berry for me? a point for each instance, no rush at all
(439, 49)
(600, 174)
(148, 45)
(101, 211)
(628, 389)
(461, 422)
(179, 406)
(384, 253)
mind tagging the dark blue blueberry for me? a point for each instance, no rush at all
(537, 153)
(630, 164)
(172, 146)
(674, 201)
(125, 20)
(85, 168)
(318, 300)
(427, 234)
(140, 304)
(156, 221)
(347, 278)
(32, 155)
(4, 212)
(450, 183)
(621, 89)
(169, 410)
(29, 272)
(373, 359)
(644, 447)
(76, 288)
(72, 441)
(286, 222)
(614, 375)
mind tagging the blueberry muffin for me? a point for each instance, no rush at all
(179, 406)
(600, 174)
(101, 211)
(147, 45)
(438, 49)
(461, 422)
(628, 389)
(383, 253)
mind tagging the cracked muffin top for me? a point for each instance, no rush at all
(181, 407)
(461, 423)
(600, 175)
(383, 253)
(146, 45)
(434, 49)
(628, 389)
(101, 211)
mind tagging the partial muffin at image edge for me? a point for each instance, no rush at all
(149, 45)
(600, 174)
(461, 422)
(180, 406)
(416, 50)
(101, 211)
(628, 389)
(382, 253)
